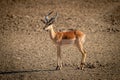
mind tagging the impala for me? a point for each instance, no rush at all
(63, 38)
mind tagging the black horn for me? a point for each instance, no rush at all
(53, 18)
(46, 17)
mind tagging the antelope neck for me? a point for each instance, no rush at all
(52, 33)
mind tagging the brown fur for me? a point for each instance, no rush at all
(68, 35)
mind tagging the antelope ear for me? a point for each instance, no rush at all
(43, 21)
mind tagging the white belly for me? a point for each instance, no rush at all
(68, 41)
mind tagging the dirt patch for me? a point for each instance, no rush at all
(27, 53)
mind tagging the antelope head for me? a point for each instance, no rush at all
(49, 21)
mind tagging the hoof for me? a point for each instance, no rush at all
(80, 68)
(58, 68)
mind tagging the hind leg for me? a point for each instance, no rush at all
(83, 52)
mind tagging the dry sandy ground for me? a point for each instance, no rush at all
(27, 53)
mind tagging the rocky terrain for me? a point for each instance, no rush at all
(27, 52)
